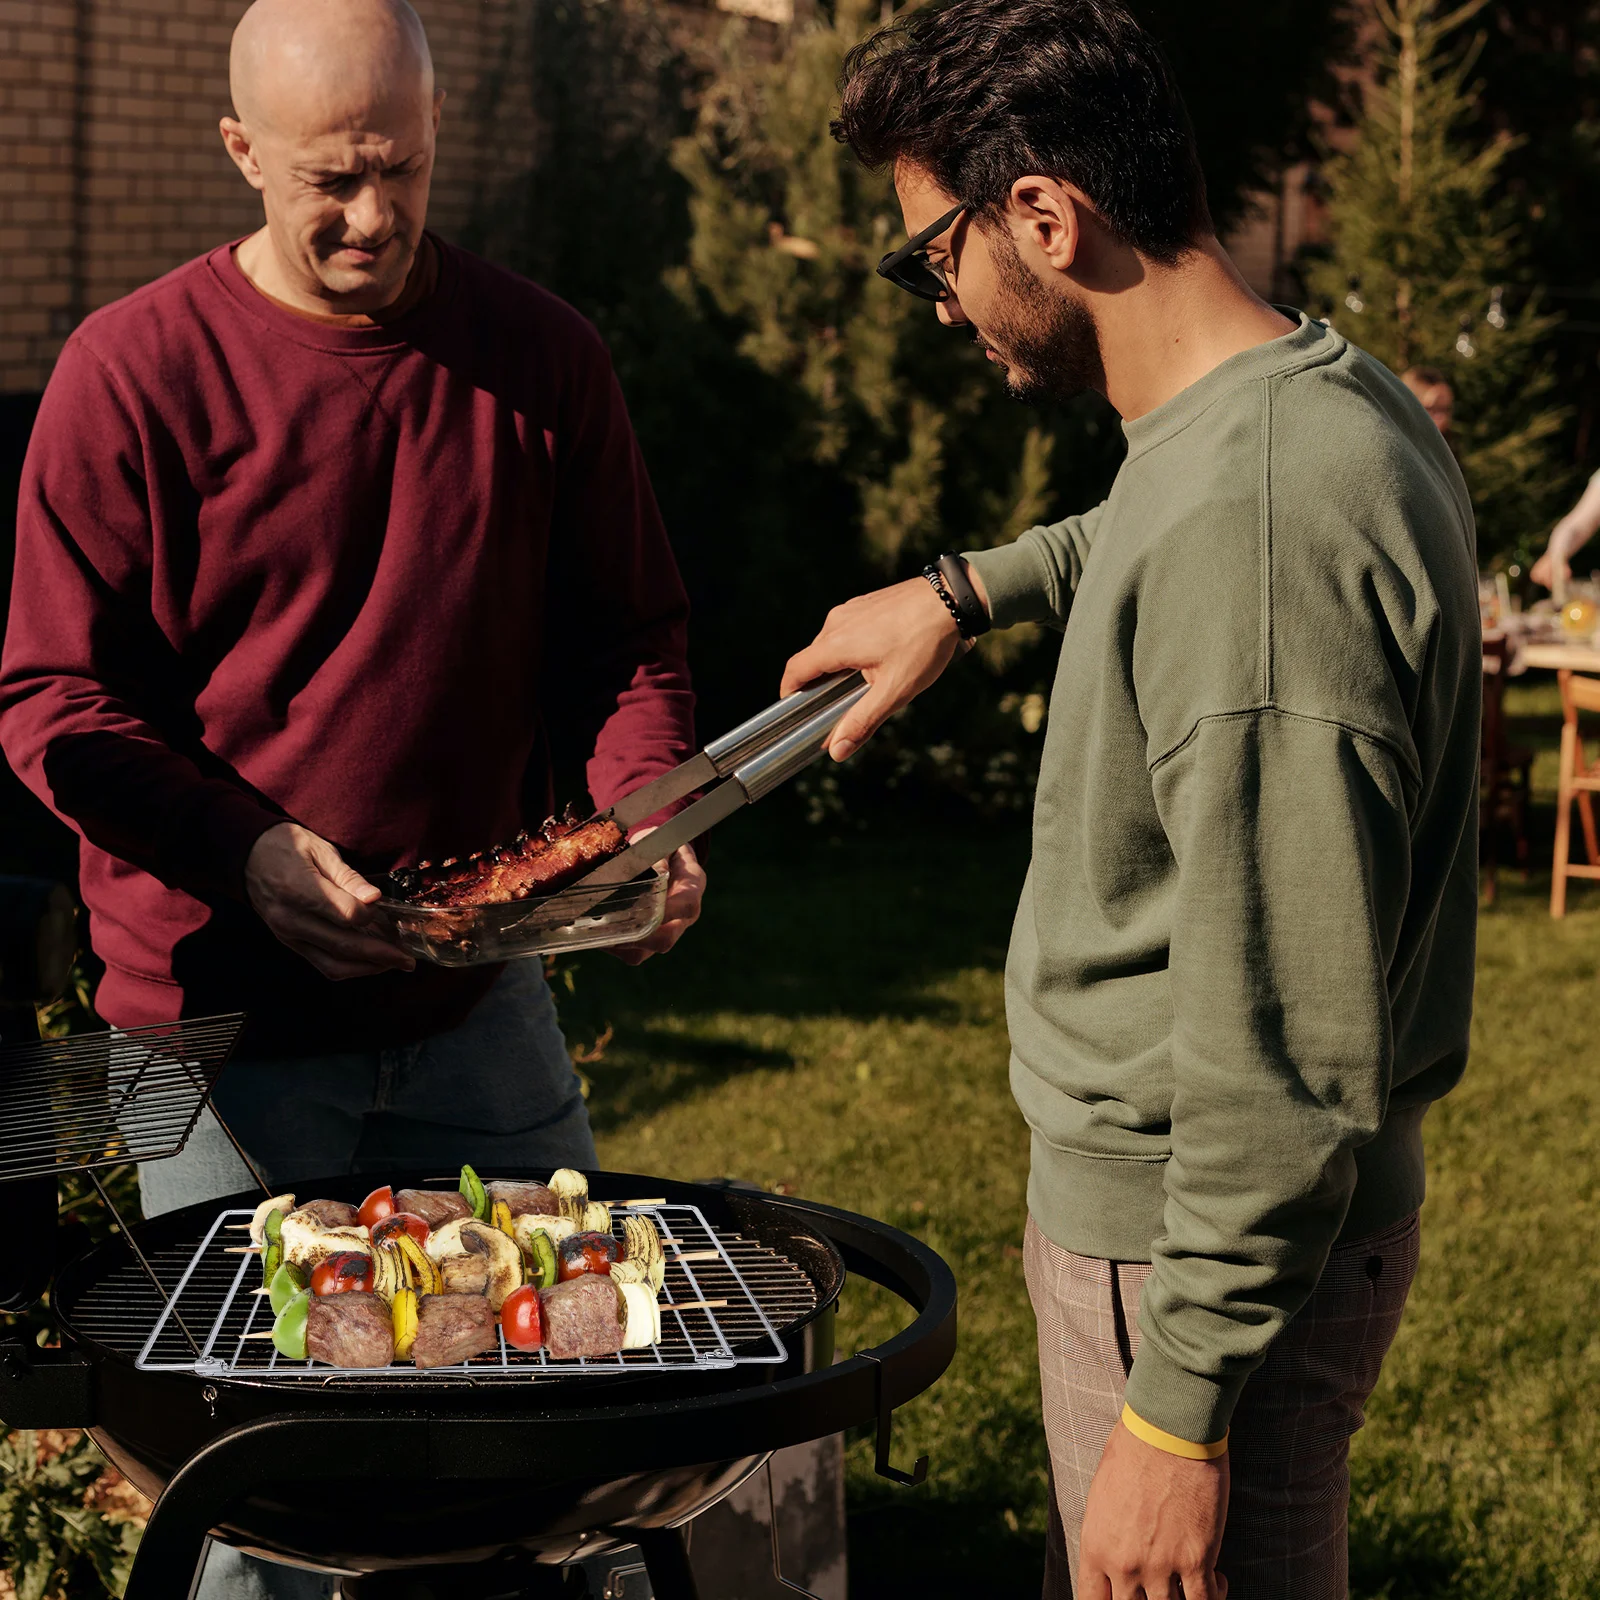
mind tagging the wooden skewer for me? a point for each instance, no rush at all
(236, 1227)
(699, 1255)
(660, 1200)
(241, 1249)
(266, 1335)
(680, 1305)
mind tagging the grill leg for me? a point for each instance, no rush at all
(167, 1566)
(666, 1558)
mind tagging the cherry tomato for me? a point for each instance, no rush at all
(349, 1270)
(407, 1220)
(586, 1252)
(521, 1319)
(378, 1205)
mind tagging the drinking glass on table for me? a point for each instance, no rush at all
(1581, 611)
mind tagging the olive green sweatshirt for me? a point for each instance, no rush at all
(1242, 965)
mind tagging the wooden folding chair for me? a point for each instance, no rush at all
(1579, 779)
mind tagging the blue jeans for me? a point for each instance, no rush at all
(499, 1091)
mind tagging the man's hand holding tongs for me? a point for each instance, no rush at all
(900, 639)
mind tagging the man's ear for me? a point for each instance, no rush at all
(1049, 216)
(237, 142)
(438, 106)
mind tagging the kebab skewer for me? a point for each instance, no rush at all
(443, 1286)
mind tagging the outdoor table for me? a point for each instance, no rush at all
(1561, 657)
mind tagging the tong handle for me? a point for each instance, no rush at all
(798, 750)
(751, 738)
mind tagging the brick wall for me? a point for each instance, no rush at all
(1279, 223)
(38, 104)
(111, 168)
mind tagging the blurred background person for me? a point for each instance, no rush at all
(1432, 388)
(1569, 536)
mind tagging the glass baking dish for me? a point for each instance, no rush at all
(570, 919)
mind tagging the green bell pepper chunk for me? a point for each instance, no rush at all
(289, 1331)
(271, 1247)
(542, 1260)
(474, 1193)
(286, 1283)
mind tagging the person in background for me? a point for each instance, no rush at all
(1569, 536)
(1437, 398)
(1242, 966)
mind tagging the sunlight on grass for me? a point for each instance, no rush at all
(836, 1028)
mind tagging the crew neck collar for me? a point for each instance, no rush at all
(1308, 341)
(320, 335)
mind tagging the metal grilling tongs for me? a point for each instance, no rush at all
(735, 770)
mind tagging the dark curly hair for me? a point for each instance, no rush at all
(982, 92)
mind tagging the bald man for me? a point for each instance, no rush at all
(332, 543)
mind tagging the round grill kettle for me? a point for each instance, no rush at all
(418, 1470)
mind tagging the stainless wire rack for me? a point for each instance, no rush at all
(100, 1099)
(763, 1291)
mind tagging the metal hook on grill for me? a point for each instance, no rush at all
(919, 1471)
(777, 1553)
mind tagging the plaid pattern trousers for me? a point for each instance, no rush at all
(1289, 1447)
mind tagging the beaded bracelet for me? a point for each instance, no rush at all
(951, 584)
(932, 573)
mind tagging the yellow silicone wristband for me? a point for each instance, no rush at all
(1170, 1442)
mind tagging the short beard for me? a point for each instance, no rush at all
(1048, 340)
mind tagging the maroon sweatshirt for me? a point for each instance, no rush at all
(364, 578)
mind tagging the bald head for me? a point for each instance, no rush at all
(335, 116)
(291, 58)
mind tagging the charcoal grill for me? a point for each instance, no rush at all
(503, 1458)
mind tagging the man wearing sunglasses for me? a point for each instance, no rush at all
(1242, 966)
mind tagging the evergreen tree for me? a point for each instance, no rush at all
(1428, 268)
(787, 231)
(1540, 71)
(900, 413)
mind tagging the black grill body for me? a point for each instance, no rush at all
(374, 1476)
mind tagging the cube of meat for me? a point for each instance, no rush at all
(435, 1206)
(582, 1317)
(330, 1213)
(349, 1330)
(525, 1199)
(453, 1328)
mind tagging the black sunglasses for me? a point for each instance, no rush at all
(910, 269)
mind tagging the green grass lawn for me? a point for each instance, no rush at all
(836, 1028)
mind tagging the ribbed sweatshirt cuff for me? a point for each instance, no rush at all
(1180, 1402)
(210, 840)
(1017, 580)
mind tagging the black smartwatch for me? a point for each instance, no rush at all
(948, 575)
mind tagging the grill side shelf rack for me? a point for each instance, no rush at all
(216, 1298)
(97, 1100)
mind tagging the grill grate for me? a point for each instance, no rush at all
(99, 1099)
(212, 1291)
